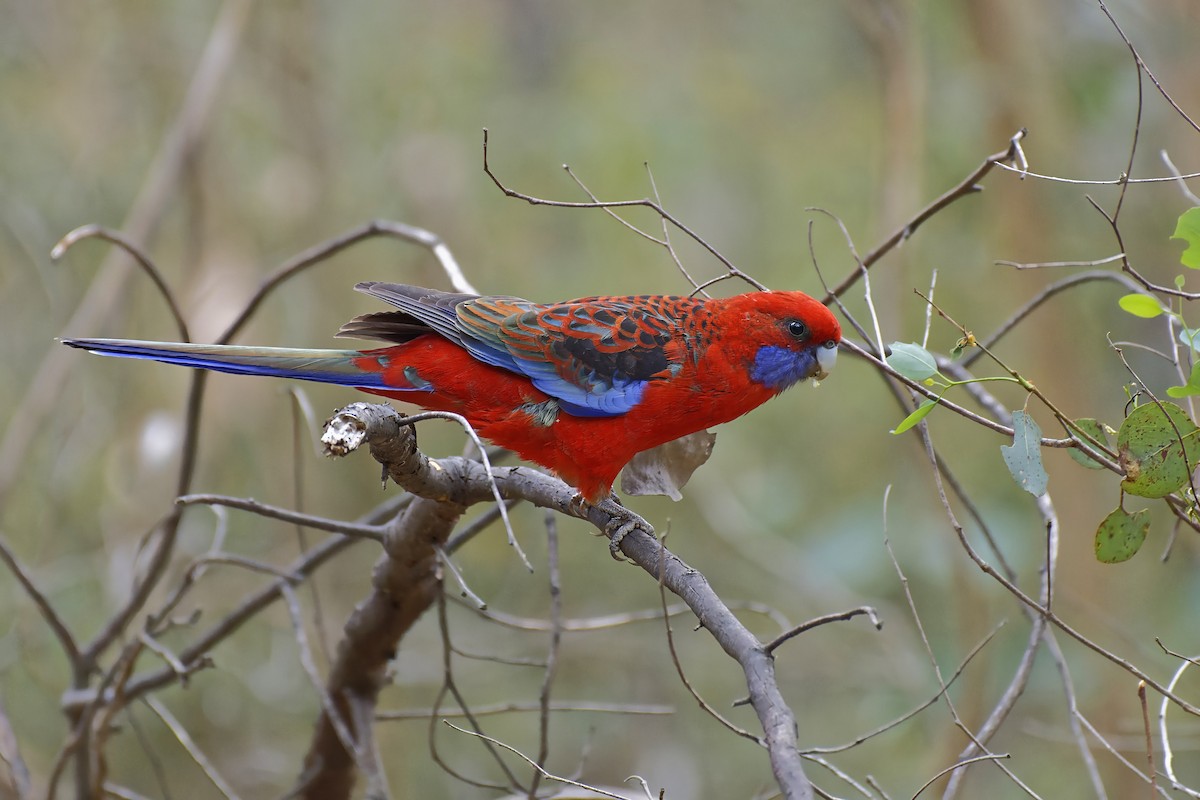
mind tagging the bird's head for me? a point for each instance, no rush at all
(791, 336)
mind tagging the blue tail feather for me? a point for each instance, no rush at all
(323, 366)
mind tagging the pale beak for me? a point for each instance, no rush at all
(826, 357)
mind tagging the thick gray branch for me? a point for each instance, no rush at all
(404, 587)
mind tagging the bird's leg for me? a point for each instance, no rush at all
(621, 522)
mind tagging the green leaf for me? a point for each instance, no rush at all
(915, 417)
(1093, 429)
(1189, 389)
(1121, 535)
(1190, 337)
(1141, 305)
(1179, 281)
(912, 361)
(1151, 448)
(1024, 456)
(1188, 229)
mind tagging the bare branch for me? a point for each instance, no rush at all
(1037, 608)
(978, 648)
(407, 569)
(372, 532)
(841, 616)
(325, 250)
(1143, 68)
(61, 632)
(733, 271)
(687, 684)
(968, 186)
(527, 708)
(960, 765)
(551, 652)
(444, 560)
(535, 765)
(176, 148)
(1042, 296)
(1187, 193)
(142, 260)
(184, 738)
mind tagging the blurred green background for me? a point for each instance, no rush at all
(327, 114)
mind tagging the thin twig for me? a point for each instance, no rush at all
(625, 223)
(960, 765)
(1143, 68)
(733, 271)
(304, 424)
(142, 260)
(532, 763)
(551, 651)
(975, 741)
(1041, 297)
(189, 745)
(1141, 693)
(449, 687)
(478, 525)
(1184, 189)
(1117, 754)
(968, 186)
(176, 149)
(527, 708)
(1052, 264)
(1034, 606)
(464, 423)
(223, 628)
(683, 678)
(325, 250)
(840, 616)
(353, 739)
(1096, 182)
(1073, 715)
(1164, 732)
(444, 558)
(967, 659)
(372, 532)
(57, 626)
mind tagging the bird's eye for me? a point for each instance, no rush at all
(797, 329)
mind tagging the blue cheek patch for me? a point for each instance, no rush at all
(778, 367)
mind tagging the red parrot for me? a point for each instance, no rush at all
(579, 387)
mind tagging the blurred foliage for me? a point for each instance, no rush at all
(749, 115)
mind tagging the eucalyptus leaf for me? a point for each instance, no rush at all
(1189, 389)
(1024, 456)
(1188, 229)
(1190, 337)
(1121, 535)
(1156, 446)
(912, 419)
(912, 361)
(1093, 429)
(1141, 305)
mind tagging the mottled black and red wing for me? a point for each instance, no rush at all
(595, 355)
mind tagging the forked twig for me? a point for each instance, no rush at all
(732, 270)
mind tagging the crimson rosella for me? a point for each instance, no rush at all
(579, 387)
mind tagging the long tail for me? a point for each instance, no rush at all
(342, 367)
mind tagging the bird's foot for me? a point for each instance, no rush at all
(621, 522)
